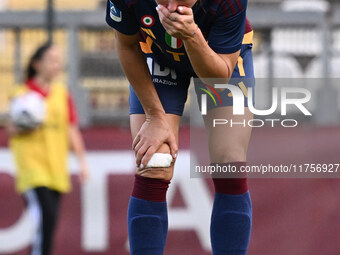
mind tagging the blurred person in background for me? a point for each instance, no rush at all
(42, 125)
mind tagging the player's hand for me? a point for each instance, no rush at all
(154, 132)
(179, 24)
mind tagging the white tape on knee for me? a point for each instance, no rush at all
(159, 160)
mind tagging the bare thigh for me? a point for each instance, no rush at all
(226, 143)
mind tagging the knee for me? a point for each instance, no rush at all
(230, 155)
(152, 183)
(162, 173)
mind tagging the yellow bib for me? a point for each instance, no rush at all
(41, 155)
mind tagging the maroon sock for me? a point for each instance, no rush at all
(150, 189)
(233, 186)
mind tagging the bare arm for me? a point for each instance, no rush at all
(13, 130)
(137, 72)
(155, 130)
(10, 128)
(77, 144)
(206, 62)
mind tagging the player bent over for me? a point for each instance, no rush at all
(161, 45)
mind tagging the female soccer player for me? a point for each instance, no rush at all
(161, 45)
(41, 153)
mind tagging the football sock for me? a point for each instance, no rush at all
(231, 215)
(148, 217)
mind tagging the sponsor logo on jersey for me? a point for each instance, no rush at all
(115, 13)
(173, 42)
(148, 20)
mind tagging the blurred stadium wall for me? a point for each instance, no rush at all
(293, 39)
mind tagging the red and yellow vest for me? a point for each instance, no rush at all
(41, 155)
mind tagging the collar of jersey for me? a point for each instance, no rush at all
(33, 85)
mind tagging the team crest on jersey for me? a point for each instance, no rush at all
(173, 42)
(115, 13)
(148, 20)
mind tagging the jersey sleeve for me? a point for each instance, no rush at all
(226, 34)
(121, 18)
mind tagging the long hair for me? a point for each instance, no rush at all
(38, 55)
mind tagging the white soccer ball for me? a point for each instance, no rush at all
(28, 111)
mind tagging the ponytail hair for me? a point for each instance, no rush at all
(38, 55)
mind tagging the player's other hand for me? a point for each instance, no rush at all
(154, 132)
(178, 24)
(83, 173)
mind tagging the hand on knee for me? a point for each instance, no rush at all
(165, 163)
